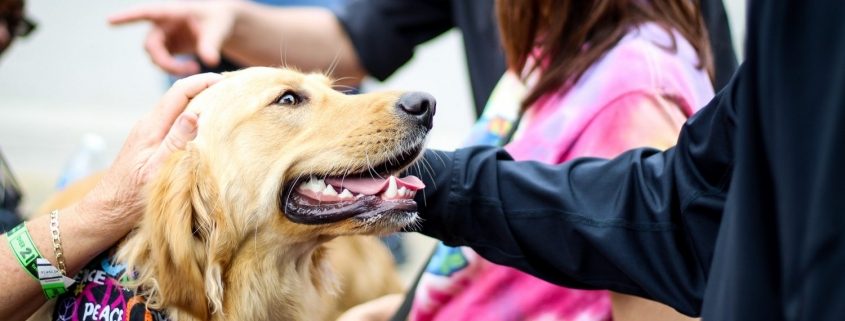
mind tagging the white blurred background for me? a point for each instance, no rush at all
(76, 75)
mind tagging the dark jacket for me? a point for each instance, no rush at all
(744, 219)
(385, 34)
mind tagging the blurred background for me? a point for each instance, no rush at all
(75, 75)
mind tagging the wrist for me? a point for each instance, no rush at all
(93, 228)
(242, 14)
(112, 218)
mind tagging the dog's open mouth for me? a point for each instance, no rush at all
(319, 201)
(363, 195)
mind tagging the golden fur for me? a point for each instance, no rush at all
(214, 244)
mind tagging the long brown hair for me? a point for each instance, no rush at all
(568, 36)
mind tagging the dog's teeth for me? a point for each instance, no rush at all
(314, 185)
(345, 194)
(329, 190)
(391, 188)
(402, 191)
(359, 195)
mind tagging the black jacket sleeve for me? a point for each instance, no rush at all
(644, 223)
(385, 32)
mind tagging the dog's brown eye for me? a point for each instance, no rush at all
(289, 98)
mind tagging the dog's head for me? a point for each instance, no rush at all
(280, 158)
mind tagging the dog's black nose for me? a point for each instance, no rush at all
(419, 105)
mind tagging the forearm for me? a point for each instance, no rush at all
(310, 39)
(84, 233)
(644, 223)
(588, 224)
(108, 211)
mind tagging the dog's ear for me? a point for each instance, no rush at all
(174, 269)
(190, 240)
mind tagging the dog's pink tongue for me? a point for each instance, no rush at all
(372, 186)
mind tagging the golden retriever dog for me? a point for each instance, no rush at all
(250, 221)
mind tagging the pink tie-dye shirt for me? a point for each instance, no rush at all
(638, 94)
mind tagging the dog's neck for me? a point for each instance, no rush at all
(277, 280)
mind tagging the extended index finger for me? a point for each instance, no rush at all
(153, 11)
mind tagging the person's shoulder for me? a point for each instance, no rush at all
(653, 60)
(649, 51)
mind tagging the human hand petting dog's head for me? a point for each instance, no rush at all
(167, 128)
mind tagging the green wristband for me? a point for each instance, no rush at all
(24, 249)
(53, 290)
(53, 283)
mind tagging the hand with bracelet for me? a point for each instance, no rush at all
(69, 238)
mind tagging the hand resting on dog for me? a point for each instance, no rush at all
(107, 213)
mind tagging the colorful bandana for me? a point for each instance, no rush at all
(98, 295)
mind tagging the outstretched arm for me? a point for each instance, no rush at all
(644, 223)
(310, 39)
(373, 37)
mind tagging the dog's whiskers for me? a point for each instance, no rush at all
(424, 164)
(346, 171)
(283, 53)
(416, 225)
(428, 169)
(344, 88)
(370, 169)
(336, 80)
(290, 191)
(335, 62)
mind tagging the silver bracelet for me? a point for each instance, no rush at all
(57, 241)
